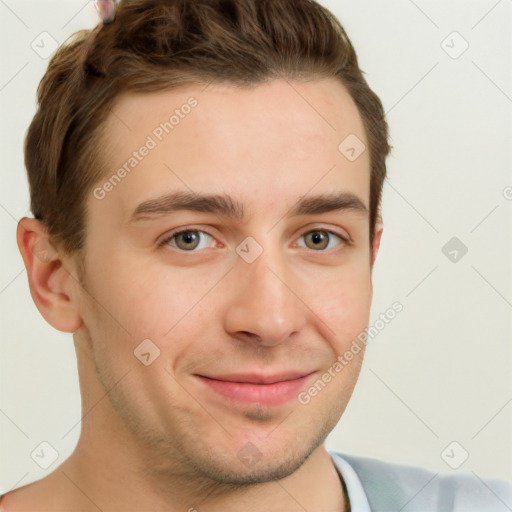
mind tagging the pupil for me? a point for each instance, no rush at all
(317, 237)
(189, 237)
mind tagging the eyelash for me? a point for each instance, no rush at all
(345, 240)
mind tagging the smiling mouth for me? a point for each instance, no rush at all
(250, 388)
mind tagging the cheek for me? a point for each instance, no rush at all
(147, 298)
(156, 301)
(344, 305)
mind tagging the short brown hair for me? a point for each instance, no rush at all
(154, 45)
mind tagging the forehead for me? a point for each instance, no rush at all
(266, 144)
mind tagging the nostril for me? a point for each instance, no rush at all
(249, 335)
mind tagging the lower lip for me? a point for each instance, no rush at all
(274, 394)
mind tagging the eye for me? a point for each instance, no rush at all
(319, 239)
(186, 240)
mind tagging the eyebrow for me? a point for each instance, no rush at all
(226, 206)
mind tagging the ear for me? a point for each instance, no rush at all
(51, 284)
(377, 234)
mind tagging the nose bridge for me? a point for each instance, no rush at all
(264, 304)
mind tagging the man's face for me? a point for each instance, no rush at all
(281, 305)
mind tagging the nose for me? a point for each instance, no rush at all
(265, 309)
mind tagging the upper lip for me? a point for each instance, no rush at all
(258, 378)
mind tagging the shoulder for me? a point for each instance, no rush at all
(391, 487)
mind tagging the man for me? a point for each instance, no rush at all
(206, 179)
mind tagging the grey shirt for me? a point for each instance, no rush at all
(376, 486)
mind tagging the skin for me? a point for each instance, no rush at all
(154, 437)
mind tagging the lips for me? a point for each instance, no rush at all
(253, 378)
(247, 388)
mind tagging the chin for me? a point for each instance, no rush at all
(252, 472)
(253, 465)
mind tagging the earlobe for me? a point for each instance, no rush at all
(49, 281)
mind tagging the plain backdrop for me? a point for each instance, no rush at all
(436, 383)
